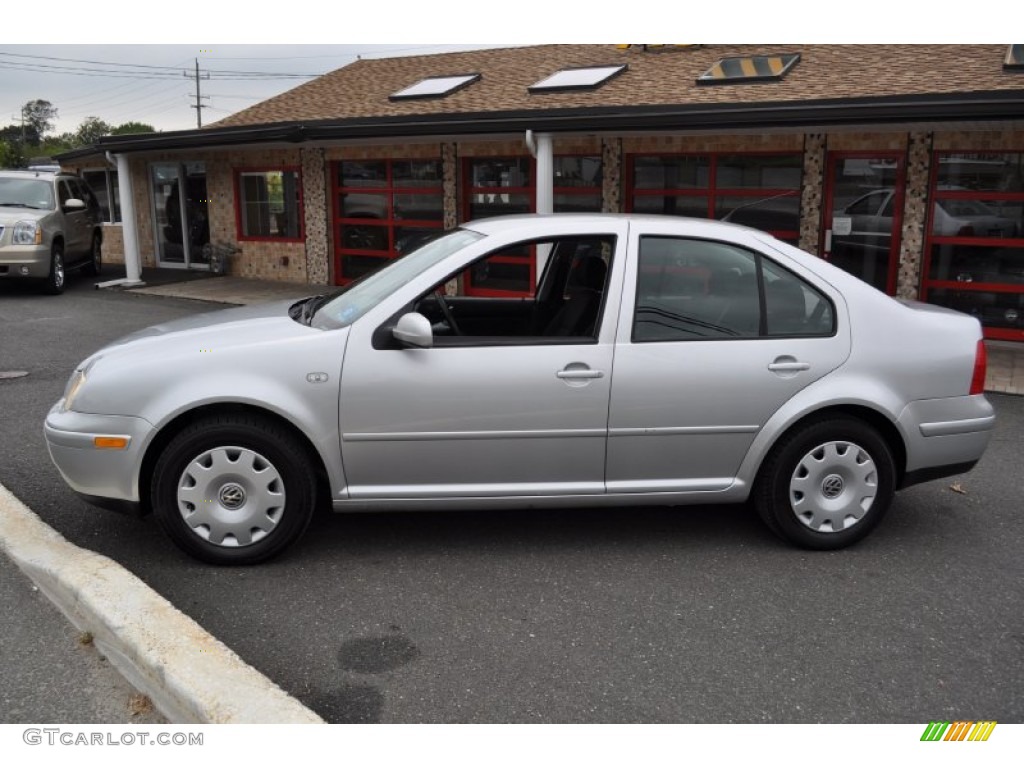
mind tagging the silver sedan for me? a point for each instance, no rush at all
(535, 361)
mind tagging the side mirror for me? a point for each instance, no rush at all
(413, 330)
(74, 204)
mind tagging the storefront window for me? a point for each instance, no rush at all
(757, 190)
(384, 208)
(270, 205)
(975, 245)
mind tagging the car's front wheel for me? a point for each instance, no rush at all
(233, 490)
(827, 484)
(54, 282)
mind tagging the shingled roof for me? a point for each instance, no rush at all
(831, 85)
(361, 89)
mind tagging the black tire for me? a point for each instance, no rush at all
(95, 264)
(219, 462)
(53, 283)
(831, 474)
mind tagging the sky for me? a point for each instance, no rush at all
(123, 61)
(156, 83)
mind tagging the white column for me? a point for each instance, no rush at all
(545, 188)
(545, 174)
(129, 231)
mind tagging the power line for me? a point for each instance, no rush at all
(151, 71)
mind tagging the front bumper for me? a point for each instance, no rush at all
(105, 476)
(28, 261)
(949, 432)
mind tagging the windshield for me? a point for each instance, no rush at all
(27, 193)
(363, 296)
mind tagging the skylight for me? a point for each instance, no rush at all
(578, 78)
(435, 87)
(740, 69)
(1014, 57)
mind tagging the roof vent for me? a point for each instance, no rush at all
(435, 87)
(740, 69)
(1014, 57)
(578, 78)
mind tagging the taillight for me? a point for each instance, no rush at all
(980, 364)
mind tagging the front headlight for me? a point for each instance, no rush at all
(27, 233)
(75, 384)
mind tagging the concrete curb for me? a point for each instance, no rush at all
(190, 676)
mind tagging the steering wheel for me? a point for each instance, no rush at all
(447, 312)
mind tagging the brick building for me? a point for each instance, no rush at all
(904, 164)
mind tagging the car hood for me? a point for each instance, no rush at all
(239, 326)
(11, 214)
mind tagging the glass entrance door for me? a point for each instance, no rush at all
(863, 215)
(180, 214)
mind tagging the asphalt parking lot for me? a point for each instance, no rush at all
(660, 615)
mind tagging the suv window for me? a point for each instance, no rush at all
(63, 192)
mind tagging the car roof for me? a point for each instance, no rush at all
(32, 173)
(502, 224)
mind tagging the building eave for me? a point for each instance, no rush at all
(956, 107)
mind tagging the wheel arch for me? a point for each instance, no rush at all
(172, 428)
(877, 420)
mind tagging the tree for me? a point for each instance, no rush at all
(11, 155)
(132, 127)
(38, 115)
(90, 130)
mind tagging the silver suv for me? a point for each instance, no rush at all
(49, 222)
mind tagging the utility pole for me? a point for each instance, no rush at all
(198, 106)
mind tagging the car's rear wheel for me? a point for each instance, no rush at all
(827, 484)
(54, 282)
(95, 264)
(234, 490)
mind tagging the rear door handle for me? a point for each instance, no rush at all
(579, 373)
(787, 364)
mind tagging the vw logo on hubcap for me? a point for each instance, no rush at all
(231, 496)
(832, 486)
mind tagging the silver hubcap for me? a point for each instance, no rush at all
(58, 270)
(833, 486)
(231, 497)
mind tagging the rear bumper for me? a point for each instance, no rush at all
(946, 436)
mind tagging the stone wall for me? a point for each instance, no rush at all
(811, 195)
(915, 215)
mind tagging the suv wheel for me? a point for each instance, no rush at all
(95, 264)
(54, 283)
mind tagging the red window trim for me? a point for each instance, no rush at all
(239, 203)
(712, 191)
(934, 193)
(389, 222)
(530, 192)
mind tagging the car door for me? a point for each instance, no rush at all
(487, 417)
(76, 223)
(701, 365)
